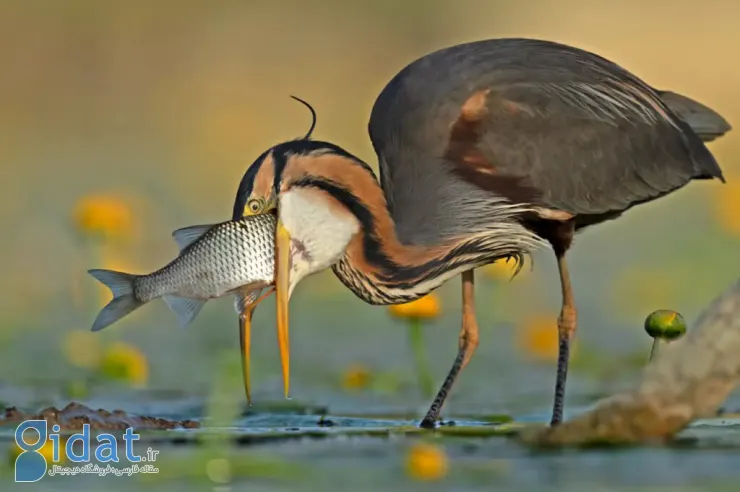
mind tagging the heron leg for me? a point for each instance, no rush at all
(466, 348)
(567, 322)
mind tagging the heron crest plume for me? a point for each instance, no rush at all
(313, 117)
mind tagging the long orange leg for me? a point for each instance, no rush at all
(466, 348)
(246, 309)
(567, 322)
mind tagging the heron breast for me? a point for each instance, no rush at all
(320, 229)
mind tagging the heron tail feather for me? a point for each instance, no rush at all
(704, 121)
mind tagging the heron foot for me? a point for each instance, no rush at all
(432, 416)
(467, 345)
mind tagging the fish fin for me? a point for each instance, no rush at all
(245, 298)
(121, 286)
(186, 236)
(185, 308)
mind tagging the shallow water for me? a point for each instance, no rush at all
(280, 445)
(294, 449)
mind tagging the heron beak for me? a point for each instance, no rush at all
(282, 293)
(245, 329)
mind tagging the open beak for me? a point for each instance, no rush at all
(282, 286)
(245, 306)
(245, 330)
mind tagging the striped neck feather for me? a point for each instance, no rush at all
(379, 269)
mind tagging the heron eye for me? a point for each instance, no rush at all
(254, 205)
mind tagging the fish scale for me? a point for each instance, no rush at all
(215, 259)
(226, 257)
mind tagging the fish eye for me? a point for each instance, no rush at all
(255, 205)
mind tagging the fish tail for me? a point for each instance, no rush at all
(124, 301)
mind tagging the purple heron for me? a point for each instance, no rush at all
(486, 151)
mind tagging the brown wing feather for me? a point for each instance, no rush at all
(575, 157)
(556, 125)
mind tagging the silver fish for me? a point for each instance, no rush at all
(215, 259)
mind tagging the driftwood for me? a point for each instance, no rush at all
(688, 379)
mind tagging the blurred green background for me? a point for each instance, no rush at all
(141, 117)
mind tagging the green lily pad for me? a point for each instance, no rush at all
(495, 418)
(507, 429)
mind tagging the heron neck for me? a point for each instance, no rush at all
(380, 269)
(376, 265)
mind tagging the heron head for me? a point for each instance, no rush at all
(314, 228)
(294, 180)
(257, 193)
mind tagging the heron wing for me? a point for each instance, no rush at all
(583, 148)
(545, 124)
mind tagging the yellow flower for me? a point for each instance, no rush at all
(728, 207)
(502, 269)
(426, 307)
(82, 348)
(355, 378)
(102, 215)
(426, 462)
(538, 338)
(125, 362)
(47, 450)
